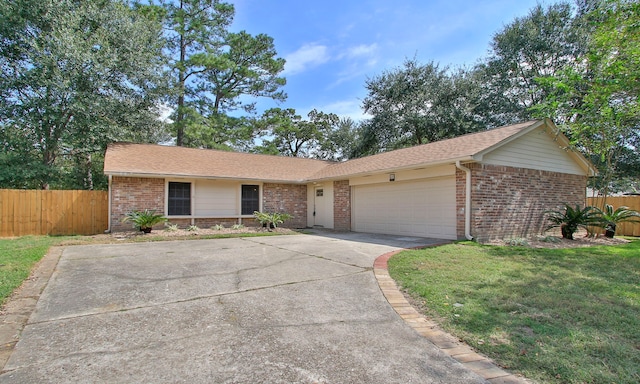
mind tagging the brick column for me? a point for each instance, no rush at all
(342, 205)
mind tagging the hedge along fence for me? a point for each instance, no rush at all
(633, 202)
(37, 212)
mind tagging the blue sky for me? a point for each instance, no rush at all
(332, 46)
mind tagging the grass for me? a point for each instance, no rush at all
(553, 315)
(19, 255)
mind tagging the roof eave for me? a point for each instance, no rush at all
(202, 177)
(452, 161)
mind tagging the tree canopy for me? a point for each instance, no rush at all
(576, 65)
(76, 74)
(542, 43)
(422, 103)
(285, 133)
(596, 103)
(214, 70)
(195, 32)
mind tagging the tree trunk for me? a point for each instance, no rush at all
(180, 119)
(610, 230)
(89, 176)
(48, 158)
(181, 89)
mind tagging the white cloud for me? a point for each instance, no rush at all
(361, 50)
(357, 61)
(308, 56)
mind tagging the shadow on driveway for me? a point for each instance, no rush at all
(381, 239)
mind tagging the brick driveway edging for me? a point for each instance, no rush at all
(448, 344)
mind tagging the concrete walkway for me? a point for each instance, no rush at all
(286, 309)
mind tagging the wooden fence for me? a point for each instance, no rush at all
(633, 202)
(36, 212)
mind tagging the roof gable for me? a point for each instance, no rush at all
(462, 148)
(542, 148)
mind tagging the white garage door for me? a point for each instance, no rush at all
(414, 208)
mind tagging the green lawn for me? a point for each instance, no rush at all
(553, 315)
(17, 257)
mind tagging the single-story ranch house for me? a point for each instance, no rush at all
(494, 184)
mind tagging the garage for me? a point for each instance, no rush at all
(424, 208)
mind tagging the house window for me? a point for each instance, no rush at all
(179, 202)
(250, 199)
(319, 192)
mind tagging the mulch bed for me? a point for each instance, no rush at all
(580, 239)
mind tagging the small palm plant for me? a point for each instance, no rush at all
(144, 220)
(608, 218)
(271, 220)
(571, 219)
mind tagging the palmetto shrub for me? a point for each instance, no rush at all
(271, 220)
(571, 219)
(144, 220)
(608, 218)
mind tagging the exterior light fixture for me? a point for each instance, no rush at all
(392, 177)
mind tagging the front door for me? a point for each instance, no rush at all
(318, 207)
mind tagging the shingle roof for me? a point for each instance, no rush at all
(437, 152)
(149, 159)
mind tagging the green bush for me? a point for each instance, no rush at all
(271, 220)
(571, 219)
(516, 242)
(550, 239)
(144, 220)
(171, 227)
(608, 218)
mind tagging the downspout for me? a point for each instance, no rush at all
(109, 213)
(467, 201)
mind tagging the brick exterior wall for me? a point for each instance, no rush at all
(342, 205)
(507, 202)
(206, 223)
(461, 180)
(510, 202)
(134, 193)
(286, 198)
(227, 223)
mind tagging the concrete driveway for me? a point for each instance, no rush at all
(285, 309)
